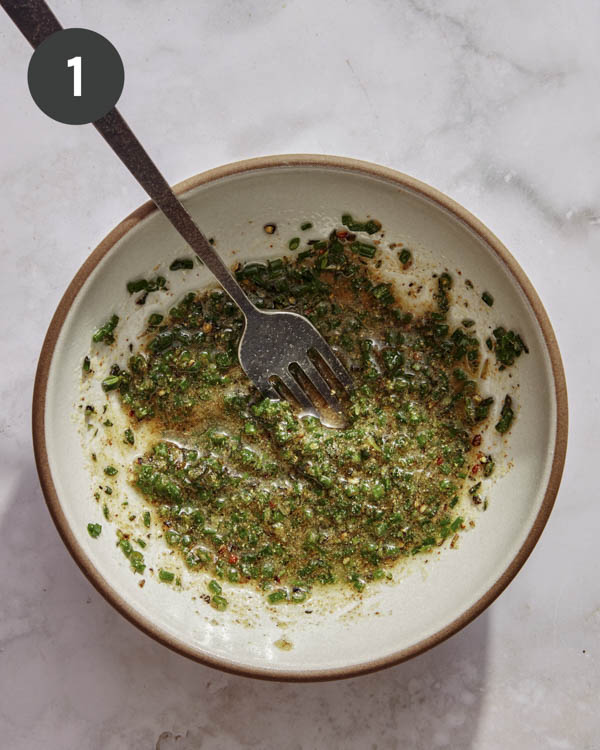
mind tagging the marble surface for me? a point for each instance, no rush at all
(494, 103)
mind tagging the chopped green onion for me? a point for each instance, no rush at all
(279, 595)
(509, 346)
(139, 285)
(136, 560)
(181, 263)
(106, 332)
(371, 226)
(218, 602)
(455, 525)
(363, 249)
(405, 256)
(111, 382)
(506, 416)
(94, 530)
(155, 319)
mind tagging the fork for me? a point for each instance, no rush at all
(272, 341)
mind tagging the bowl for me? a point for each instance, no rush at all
(431, 597)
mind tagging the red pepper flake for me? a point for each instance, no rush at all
(341, 234)
(476, 440)
(475, 469)
(233, 559)
(440, 460)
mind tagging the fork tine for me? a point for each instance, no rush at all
(268, 391)
(337, 368)
(290, 382)
(319, 382)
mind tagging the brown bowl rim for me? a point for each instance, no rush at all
(270, 162)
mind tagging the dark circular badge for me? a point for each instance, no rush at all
(76, 76)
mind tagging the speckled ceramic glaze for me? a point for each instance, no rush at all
(430, 599)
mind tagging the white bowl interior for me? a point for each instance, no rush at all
(425, 597)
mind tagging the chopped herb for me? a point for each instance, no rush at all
(370, 227)
(128, 436)
(110, 470)
(506, 416)
(363, 249)
(146, 285)
(111, 382)
(306, 225)
(138, 285)
(455, 525)
(86, 365)
(155, 319)
(136, 560)
(405, 257)
(94, 530)
(125, 545)
(487, 298)
(294, 243)
(181, 263)
(285, 504)
(509, 346)
(106, 332)
(279, 595)
(218, 602)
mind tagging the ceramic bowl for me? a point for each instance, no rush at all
(430, 599)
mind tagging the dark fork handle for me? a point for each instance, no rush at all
(37, 22)
(119, 136)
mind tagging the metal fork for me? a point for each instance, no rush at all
(271, 341)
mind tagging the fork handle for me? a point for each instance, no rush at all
(37, 22)
(119, 136)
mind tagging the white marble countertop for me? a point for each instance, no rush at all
(494, 103)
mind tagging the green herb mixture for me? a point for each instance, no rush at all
(251, 490)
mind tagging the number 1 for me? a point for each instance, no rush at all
(75, 63)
